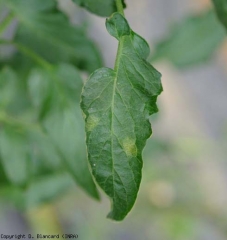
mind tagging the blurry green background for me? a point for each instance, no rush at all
(183, 193)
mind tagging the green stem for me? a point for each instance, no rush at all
(28, 52)
(119, 54)
(120, 7)
(5, 23)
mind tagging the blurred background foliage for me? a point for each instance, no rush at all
(46, 51)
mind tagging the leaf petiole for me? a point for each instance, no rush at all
(120, 7)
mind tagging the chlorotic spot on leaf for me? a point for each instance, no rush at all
(92, 122)
(129, 147)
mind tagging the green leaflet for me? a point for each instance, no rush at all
(40, 190)
(8, 86)
(3, 177)
(201, 34)
(48, 32)
(14, 151)
(116, 104)
(100, 7)
(47, 188)
(55, 97)
(221, 9)
(26, 150)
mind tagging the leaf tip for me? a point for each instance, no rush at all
(117, 26)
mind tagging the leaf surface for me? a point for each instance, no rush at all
(14, 151)
(56, 97)
(100, 7)
(221, 9)
(14, 147)
(190, 42)
(117, 104)
(47, 188)
(47, 31)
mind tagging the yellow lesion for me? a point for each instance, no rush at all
(129, 147)
(91, 123)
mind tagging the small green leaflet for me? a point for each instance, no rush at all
(100, 7)
(117, 104)
(48, 32)
(221, 9)
(201, 34)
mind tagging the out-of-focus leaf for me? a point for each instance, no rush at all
(48, 32)
(20, 63)
(56, 97)
(14, 150)
(13, 195)
(100, 7)
(3, 178)
(45, 159)
(47, 189)
(221, 9)
(26, 152)
(8, 81)
(117, 104)
(13, 96)
(192, 41)
(40, 190)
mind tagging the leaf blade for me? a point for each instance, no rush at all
(48, 32)
(202, 34)
(221, 10)
(15, 155)
(62, 119)
(117, 104)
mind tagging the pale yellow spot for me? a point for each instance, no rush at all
(92, 122)
(129, 147)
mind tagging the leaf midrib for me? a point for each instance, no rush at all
(116, 69)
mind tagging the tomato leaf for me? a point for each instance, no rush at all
(55, 95)
(14, 150)
(116, 104)
(48, 32)
(47, 188)
(192, 41)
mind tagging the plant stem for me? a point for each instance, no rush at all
(5, 23)
(28, 52)
(120, 7)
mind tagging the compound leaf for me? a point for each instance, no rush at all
(47, 31)
(221, 9)
(192, 41)
(100, 7)
(117, 104)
